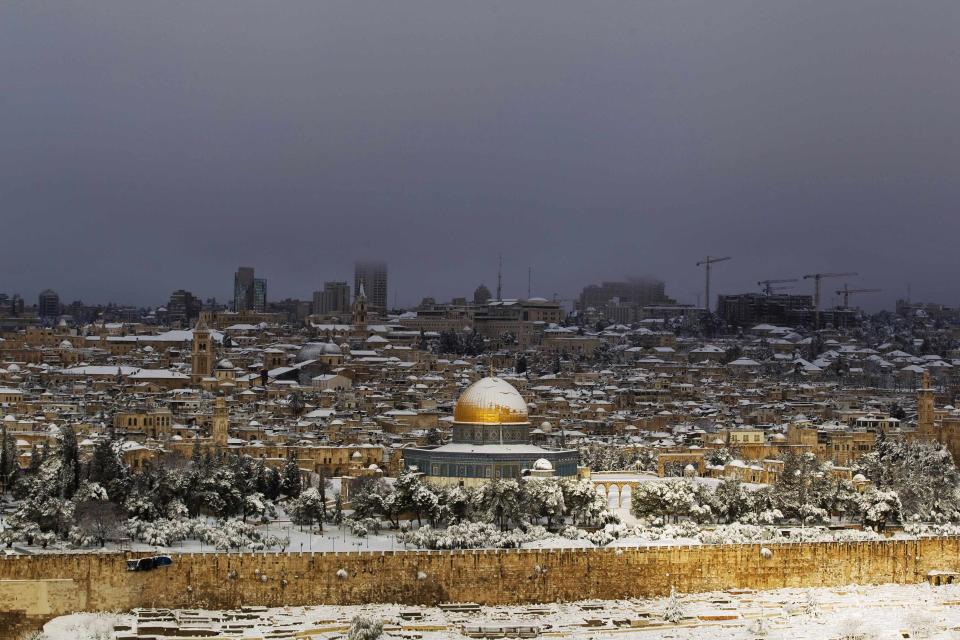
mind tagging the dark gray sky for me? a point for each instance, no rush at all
(152, 146)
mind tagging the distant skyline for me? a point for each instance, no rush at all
(150, 147)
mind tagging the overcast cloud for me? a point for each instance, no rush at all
(152, 146)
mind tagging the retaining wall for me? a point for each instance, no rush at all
(100, 582)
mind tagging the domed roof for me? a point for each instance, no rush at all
(313, 350)
(490, 401)
(542, 464)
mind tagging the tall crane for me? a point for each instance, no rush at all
(706, 262)
(767, 289)
(845, 292)
(817, 277)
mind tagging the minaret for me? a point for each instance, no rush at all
(221, 422)
(360, 308)
(925, 406)
(202, 351)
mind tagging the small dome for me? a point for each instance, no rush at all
(224, 364)
(9, 418)
(356, 455)
(546, 426)
(859, 478)
(542, 465)
(66, 345)
(314, 350)
(13, 368)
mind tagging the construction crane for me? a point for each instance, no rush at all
(817, 277)
(767, 289)
(706, 262)
(845, 292)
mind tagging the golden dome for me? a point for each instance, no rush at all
(490, 401)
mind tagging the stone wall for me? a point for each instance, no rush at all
(101, 582)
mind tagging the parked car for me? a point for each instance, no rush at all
(149, 563)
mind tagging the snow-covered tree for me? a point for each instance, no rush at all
(802, 489)
(673, 498)
(291, 483)
(674, 610)
(365, 628)
(880, 507)
(729, 500)
(307, 508)
(544, 499)
(922, 473)
(584, 504)
(501, 501)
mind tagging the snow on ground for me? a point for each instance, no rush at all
(880, 612)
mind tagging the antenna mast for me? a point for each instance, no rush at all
(499, 277)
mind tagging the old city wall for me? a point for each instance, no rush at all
(57, 584)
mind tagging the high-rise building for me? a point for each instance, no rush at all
(243, 289)
(333, 300)
(373, 276)
(638, 292)
(752, 308)
(623, 301)
(48, 304)
(183, 307)
(259, 295)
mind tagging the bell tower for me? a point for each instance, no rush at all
(202, 356)
(221, 422)
(925, 406)
(360, 308)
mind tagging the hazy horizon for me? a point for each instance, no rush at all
(151, 147)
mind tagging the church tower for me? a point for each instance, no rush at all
(221, 422)
(925, 406)
(202, 351)
(360, 309)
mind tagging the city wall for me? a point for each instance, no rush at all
(35, 588)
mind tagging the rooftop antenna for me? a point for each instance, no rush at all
(499, 276)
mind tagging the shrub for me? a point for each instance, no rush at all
(363, 628)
